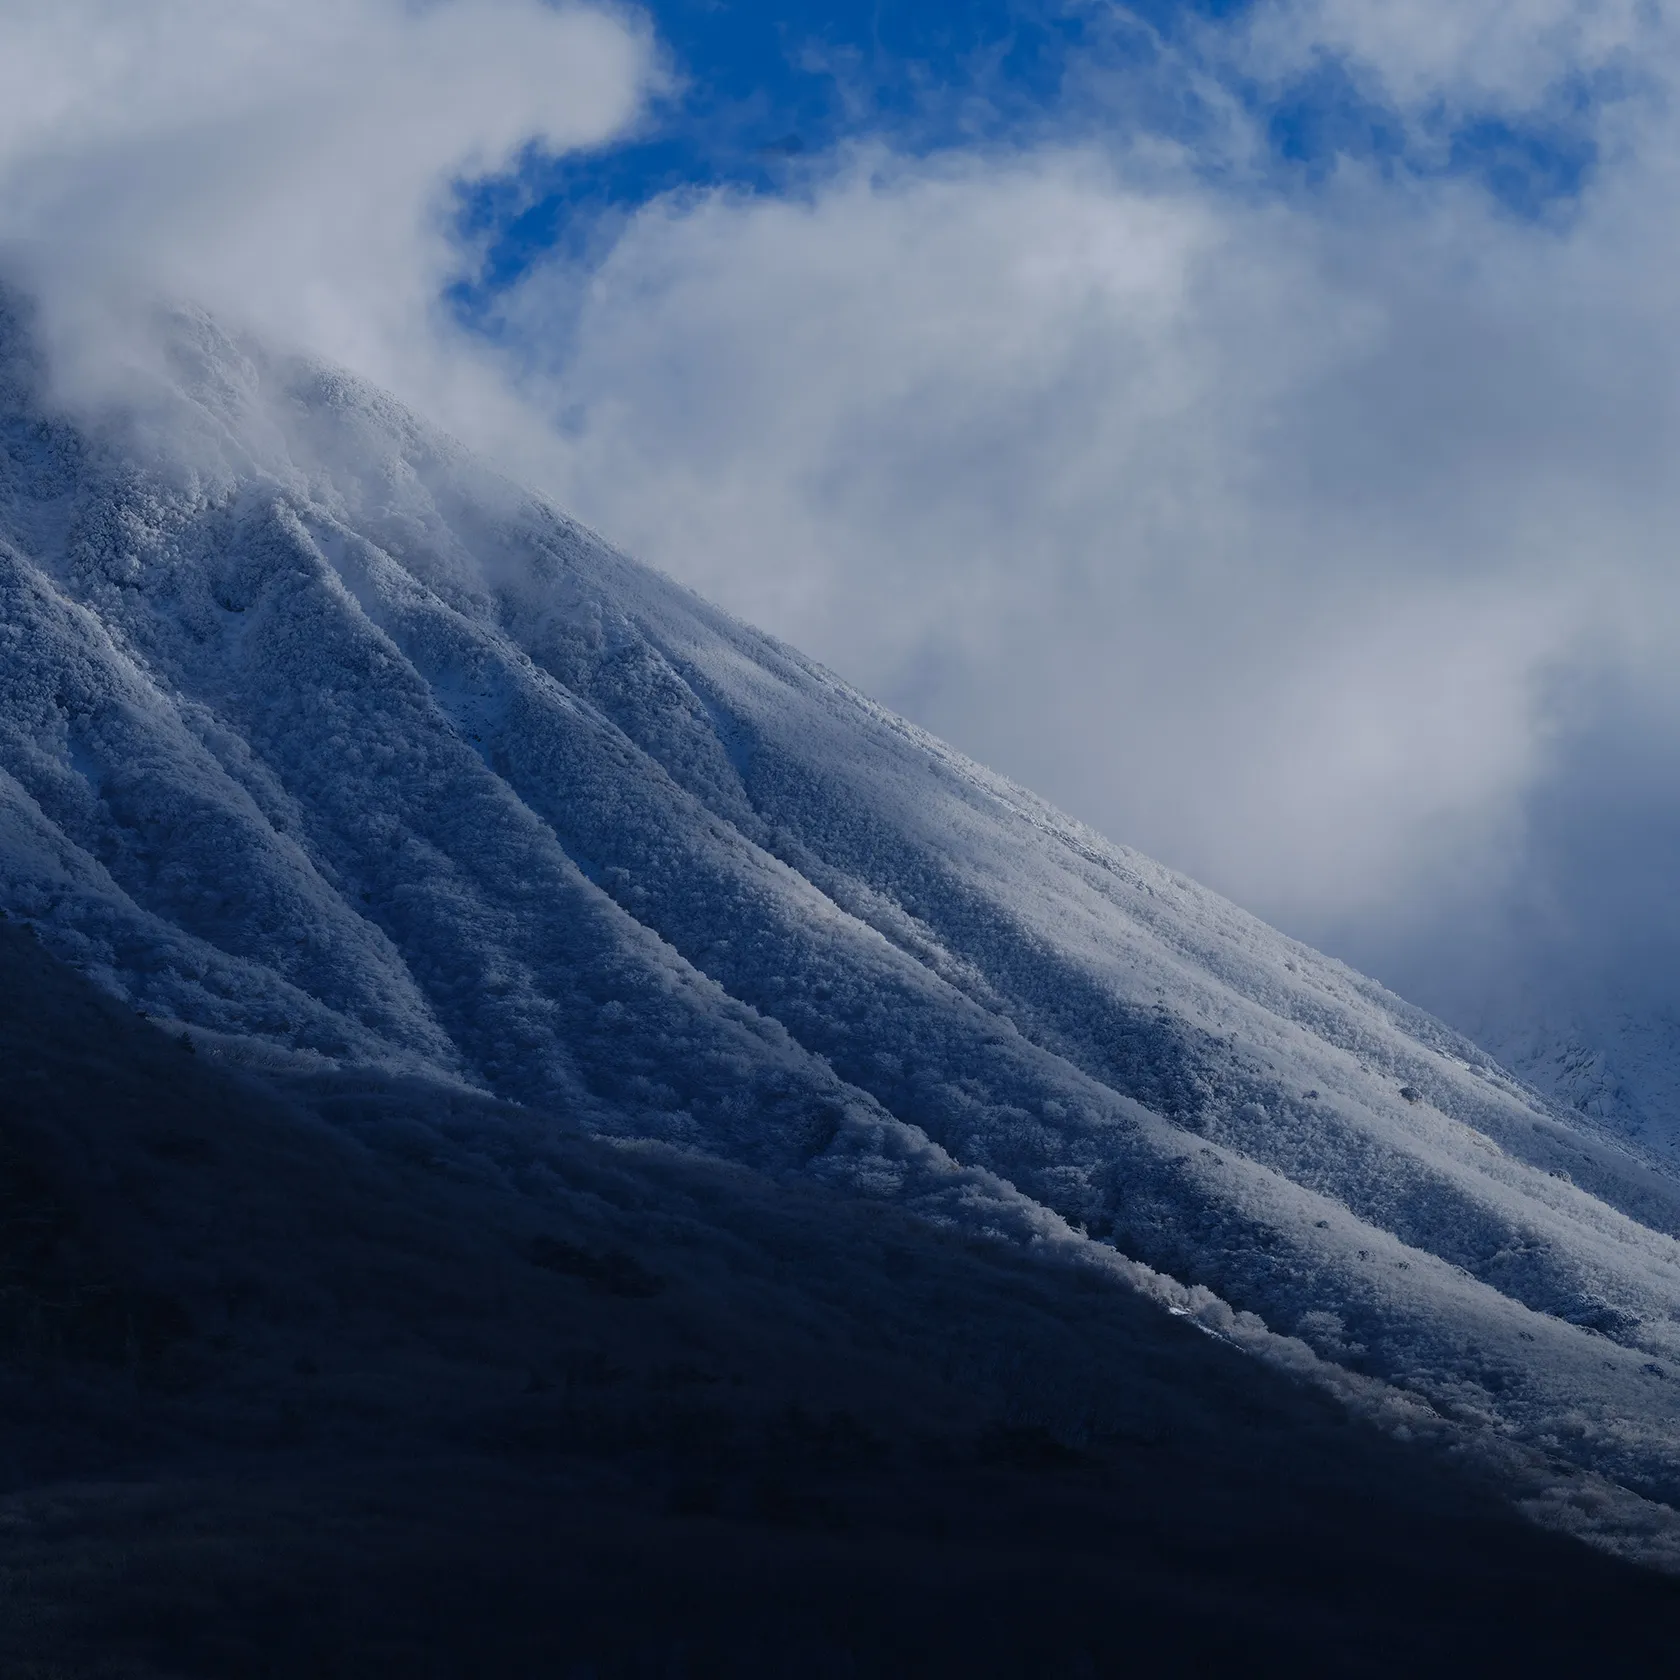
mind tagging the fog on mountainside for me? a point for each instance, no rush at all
(365, 772)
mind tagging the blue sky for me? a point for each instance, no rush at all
(761, 91)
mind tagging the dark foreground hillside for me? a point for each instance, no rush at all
(327, 1376)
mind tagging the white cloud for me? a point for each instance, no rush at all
(285, 163)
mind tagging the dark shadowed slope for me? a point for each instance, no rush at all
(297, 1380)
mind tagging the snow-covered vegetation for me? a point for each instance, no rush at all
(322, 741)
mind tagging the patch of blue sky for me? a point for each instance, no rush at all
(760, 91)
(1533, 165)
(1326, 116)
(761, 94)
(1533, 170)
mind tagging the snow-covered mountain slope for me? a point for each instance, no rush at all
(1614, 1057)
(319, 737)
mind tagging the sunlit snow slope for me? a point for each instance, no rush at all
(314, 733)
